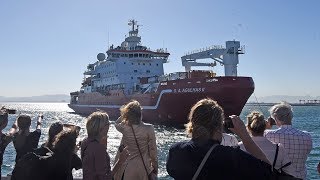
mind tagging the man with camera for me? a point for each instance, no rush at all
(297, 143)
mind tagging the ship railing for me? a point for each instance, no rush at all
(205, 49)
(242, 49)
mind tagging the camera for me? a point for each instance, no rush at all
(271, 120)
(11, 111)
(227, 123)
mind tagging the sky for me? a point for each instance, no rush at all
(45, 46)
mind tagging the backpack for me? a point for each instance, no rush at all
(279, 173)
(33, 165)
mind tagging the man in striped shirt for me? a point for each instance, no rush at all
(297, 143)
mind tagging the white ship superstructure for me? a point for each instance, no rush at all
(125, 66)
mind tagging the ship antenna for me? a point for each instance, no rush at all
(108, 41)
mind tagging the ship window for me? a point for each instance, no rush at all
(124, 62)
(157, 64)
(135, 71)
(138, 63)
(148, 71)
(131, 77)
(135, 55)
(150, 64)
(130, 55)
(140, 55)
(144, 64)
(132, 63)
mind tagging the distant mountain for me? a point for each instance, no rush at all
(44, 98)
(279, 98)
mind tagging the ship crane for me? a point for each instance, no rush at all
(226, 56)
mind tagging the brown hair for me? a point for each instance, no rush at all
(54, 129)
(256, 123)
(24, 122)
(131, 112)
(65, 141)
(205, 118)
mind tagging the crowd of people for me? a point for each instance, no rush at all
(209, 154)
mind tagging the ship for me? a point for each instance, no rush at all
(132, 71)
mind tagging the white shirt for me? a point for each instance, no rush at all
(269, 149)
(229, 140)
(298, 145)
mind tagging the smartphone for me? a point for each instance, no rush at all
(11, 111)
(227, 123)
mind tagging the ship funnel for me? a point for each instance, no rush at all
(101, 56)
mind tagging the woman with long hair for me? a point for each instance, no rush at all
(63, 147)
(140, 140)
(54, 130)
(218, 162)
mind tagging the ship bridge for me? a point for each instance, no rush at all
(125, 65)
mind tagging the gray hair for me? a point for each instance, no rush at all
(282, 112)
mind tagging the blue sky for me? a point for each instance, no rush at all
(46, 46)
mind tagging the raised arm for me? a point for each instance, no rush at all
(14, 128)
(39, 122)
(249, 144)
(118, 124)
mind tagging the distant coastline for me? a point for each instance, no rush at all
(45, 98)
(271, 104)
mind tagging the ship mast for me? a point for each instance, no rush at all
(133, 39)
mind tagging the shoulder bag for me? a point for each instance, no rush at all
(204, 160)
(279, 173)
(151, 176)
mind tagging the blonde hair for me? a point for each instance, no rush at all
(95, 122)
(256, 123)
(131, 112)
(205, 118)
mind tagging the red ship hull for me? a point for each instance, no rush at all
(173, 99)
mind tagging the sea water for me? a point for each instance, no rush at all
(306, 118)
